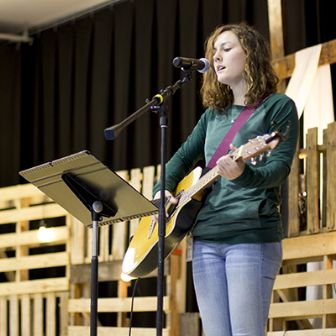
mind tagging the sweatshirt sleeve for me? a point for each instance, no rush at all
(277, 166)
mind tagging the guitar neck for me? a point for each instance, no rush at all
(249, 151)
(206, 180)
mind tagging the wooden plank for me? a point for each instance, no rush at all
(316, 332)
(122, 293)
(63, 307)
(302, 309)
(78, 242)
(35, 286)
(331, 177)
(35, 261)
(190, 324)
(293, 195)
(313, 181)
(119, 239)
(136, 179)
(275, 28)
(284, 67)
(60, 235)
(108, 271)
(25, 315)
(303, 279)
(104, 243)
(119, 231)
(309, 246)
(32, 213)
(276, 34)
(38, 315)
(141, 304)
(108, 331)
(21, 226)
(89, 245)
(14, 315)
(148, 181)
(324, 183)
(3, 316)
(51, 314)
(20, 191)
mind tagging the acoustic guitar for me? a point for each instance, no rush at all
(142, 253)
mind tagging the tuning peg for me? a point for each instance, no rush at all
(261, 156)
(269, 152)
(253, 161)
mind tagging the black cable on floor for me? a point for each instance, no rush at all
(132, 304)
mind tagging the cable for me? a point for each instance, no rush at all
(132, 304)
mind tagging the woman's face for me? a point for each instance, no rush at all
(229, 59)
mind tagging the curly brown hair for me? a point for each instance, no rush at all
(260, 77)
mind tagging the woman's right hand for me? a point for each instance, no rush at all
(168, 195)
(170, 201)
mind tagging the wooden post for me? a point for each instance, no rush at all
(276, 34)
(331, 177)
(293, 196)
(122, 294)
(38, 315)
(3, 316)
(22, 226)
(313, 182)
(25, 315)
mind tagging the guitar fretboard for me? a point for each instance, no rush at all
(202, 183)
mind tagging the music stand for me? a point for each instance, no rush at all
(93, 194)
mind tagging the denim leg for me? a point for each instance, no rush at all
(209, 275)
(233, 286)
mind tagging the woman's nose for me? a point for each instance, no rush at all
(216, 56)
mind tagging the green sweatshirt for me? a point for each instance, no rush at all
(246, 209)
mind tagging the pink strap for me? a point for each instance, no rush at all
(224, 146)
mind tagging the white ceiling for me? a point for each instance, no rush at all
(17, 16)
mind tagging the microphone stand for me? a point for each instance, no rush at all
(156, 104)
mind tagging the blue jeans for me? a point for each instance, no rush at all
(233, 285)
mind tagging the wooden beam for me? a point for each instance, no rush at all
(32, 213)
(315, 332)
(108, 331)
(284, 67)
(141, 304)
(309, 246)
(34, 261)
(275, 28)
(34, 286)
(60, 235)
(302, 309)
(303, 279)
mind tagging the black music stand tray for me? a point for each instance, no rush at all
(93, 194)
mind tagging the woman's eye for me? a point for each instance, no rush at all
(227, 49)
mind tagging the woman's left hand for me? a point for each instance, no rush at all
(230, 168)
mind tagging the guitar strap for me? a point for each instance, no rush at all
(224, 146)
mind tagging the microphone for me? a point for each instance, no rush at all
(201, 65)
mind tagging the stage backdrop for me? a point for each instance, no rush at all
(58, 94)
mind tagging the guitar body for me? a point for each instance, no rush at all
(142, 254)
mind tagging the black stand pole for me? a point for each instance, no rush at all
(162, 216)
(156, 105)
(97, 208)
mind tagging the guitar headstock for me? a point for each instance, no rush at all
(257, 146)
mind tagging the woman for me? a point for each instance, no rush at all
(237, 233)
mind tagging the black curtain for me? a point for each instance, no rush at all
(59, 93)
